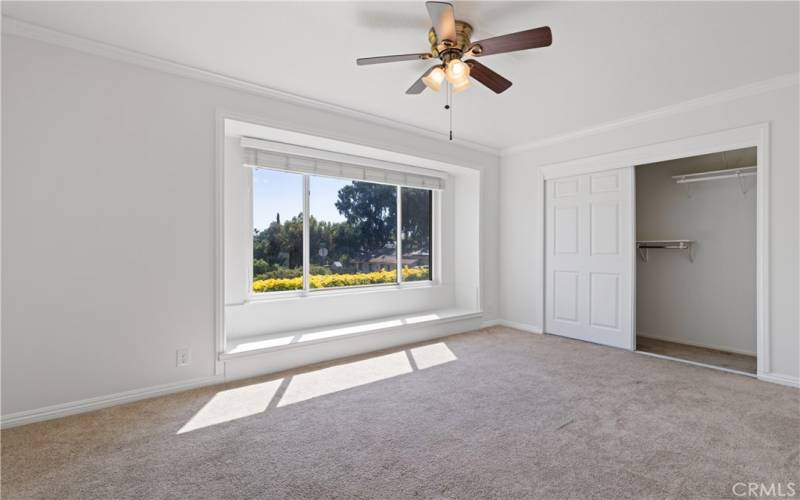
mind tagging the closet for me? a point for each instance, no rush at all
(695, 293)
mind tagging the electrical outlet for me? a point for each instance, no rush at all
(182, 357)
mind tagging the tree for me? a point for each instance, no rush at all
(372, 211)
(291, 240)
(260, 266)
(280, 245)
(416, 226)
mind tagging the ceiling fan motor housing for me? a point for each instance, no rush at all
(447, 50)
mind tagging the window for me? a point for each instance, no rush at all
(417, 224)
(352, 236)
(277, 231)
(353, 233)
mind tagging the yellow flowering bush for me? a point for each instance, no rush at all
(335, 280)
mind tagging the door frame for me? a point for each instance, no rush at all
(754, 135)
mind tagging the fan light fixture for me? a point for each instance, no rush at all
(462, 85)
(458, 75)
(457, 71)
(434, 79)
(450, 42)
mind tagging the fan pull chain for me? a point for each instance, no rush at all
(450, 89)
(449, 106)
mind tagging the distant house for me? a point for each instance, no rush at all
(389, 261)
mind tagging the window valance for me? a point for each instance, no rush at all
(259, 153)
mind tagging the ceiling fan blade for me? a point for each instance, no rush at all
(387, 59)
(486, 76)
(443, 19)
(523, 40)
(418, 86)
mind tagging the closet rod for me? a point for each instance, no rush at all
(715, 174)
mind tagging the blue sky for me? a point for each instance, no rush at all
(282, 192)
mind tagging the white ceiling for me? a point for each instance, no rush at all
(607, 61)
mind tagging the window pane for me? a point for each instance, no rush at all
(417, 214)
(277, 231)
(353, 228)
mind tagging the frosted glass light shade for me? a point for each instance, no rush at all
(434, 79)
(456, 71)
(462, 85)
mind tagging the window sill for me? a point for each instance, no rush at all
(333, 292)
(288, 340)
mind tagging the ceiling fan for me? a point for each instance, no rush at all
(450, 42)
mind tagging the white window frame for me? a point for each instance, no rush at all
(433, 260)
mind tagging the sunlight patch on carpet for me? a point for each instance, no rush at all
(338, 378)
(233, 404)
(341, 377)
(245, 401)
(432, 355)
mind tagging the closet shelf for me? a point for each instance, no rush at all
(645, 246)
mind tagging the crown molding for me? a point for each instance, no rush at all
(729, 95)
(17, 27)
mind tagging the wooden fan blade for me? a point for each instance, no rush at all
(486, 76)
(387, 59)
(418, 86)
(529, 39)
(443, 19)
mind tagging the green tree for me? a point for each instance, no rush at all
(291, 241)
(416, 226)
(260, 266)
(280, 245)
(372, 211)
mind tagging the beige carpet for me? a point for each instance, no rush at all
(491, 414)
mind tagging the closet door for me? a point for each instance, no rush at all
(589, 257)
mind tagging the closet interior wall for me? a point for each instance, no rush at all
(708, 300)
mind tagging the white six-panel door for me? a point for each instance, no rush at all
(589, 251)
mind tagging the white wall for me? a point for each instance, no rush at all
(519, 204)
(108, 218)
(710, 302)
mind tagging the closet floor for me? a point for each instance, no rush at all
(740, 362)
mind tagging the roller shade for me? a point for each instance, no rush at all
(259, 153)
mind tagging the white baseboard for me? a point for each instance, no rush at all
(517, 326)
(777, 378)
(695, 344)
(96, 403)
